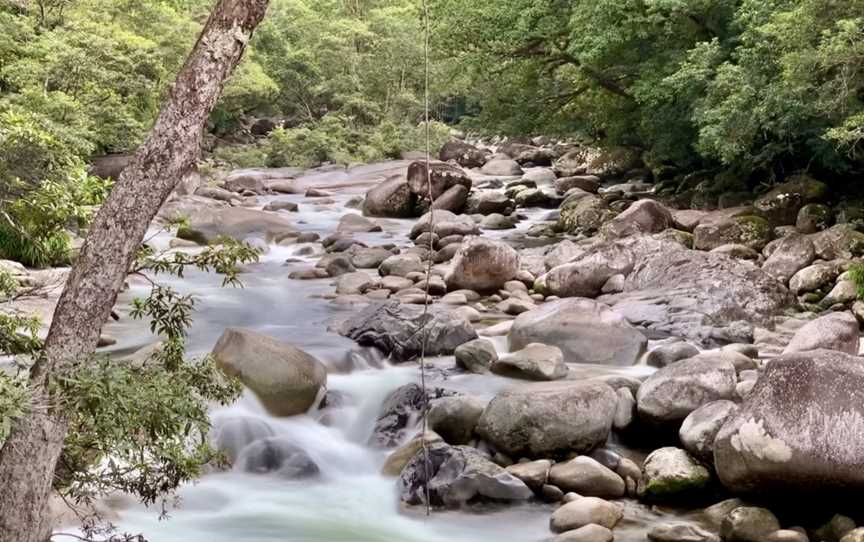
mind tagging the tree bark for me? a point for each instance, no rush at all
(28, 458)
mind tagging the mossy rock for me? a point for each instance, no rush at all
(814, 217)
(190, 234)
(670, 474)
(781, 204)
(584, 214)
(755, 231)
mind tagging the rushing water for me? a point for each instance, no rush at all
(351, 501)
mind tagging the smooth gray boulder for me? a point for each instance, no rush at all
(277, 455)
(586, 332)
(534, 362)
(391, 198)
(458, 474)
(482, 265)
(476, 356)
(536, 420)
(799, 432)
(392, 327)
(585, 274)
(585, 511)
(672, 474)
(748, 524)
(454, 418)
(700, 428)
(673, 392)
(286, 379)
(589, 533)
(587, 477)
(643, 217)
(792, 254)
(835, 331)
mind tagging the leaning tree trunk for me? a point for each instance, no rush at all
(28, 458)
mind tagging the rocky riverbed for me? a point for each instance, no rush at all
(606, 361)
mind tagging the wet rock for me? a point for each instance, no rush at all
(394, 283)
(672, 474)
(515, 305)
(497, 222)
(401, 265)
(739, 252)
(489, 202)
(464, 154)
(644, 216)
(231, 434)
(540, 176)
(443, 224)
(673, 392)
(536, 420)
(835, 331)
(588, 533)
(588, 183)
(354, 283)
(586, 511)
(391, 198)
(286, 379)
(459, 474)
(282, 206)
(781, 204)
(277, 455)
(534, 362)
(502, 168)
(587, 477)
(392, 327)
(476, 356)
(454, 418)
(354, 223)
(399, 413)
(680, 532)
(369, 258)
(584, 330)
(482, 265)
(625, 409)
(336, 266)
(586, 273)
(792, 254)
(799, 430)
(453, 199)
(400, 457)
(237, 223)
(670, 353)
(748, 524)
(701, 426)
(535, 474)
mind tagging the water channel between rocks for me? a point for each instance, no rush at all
(352, 500)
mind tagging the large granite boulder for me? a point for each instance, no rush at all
(209, 225)
(539, 420)
(464, 154)
(780, 205)
(482, 265)
(584, 330)
(286, 379)
(751, 231)
(457, 475)
(586, 273)
(584, 213)
(790, 255)
(643, 217)
(834, 331)
(391, 198)
(800, 431)
(400, 329)
(442, 177)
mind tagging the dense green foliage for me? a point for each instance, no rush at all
(746, 84)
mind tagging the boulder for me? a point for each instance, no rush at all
(400, 457)
(680, 532)
(391, 198)
(453, 199)
(354, 223)
(464, 154)
(442, 177)
(502, 168)
(748, 524)
(799, 430)
(584, 213)
(792, 254)
(586, 511)
(482, 265)
(231, 434)
(277, 455)
(587, 272)
(781, 204)
(400, 265)
(535, 474)
(399, 414)
(751, 231)
(813, 218)
(476, 356)
(701, 426)
(488, 202)
(644, 216)
(670, 353)
(588, 183)
(842, 241)
(542, 419)
(584, 330)
(587, 477)
(286, 379)
(454, 418)
(237, 223)
(456, 475)
(672, 474)
(393, 327)
(354, 283)
(540, 176)
(835, 331)
(443, 224)
(534, 362)
(673, 392)
(588, 533)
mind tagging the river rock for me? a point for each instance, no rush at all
(286, 379)
(236, 223)
(399, 413)
(751, 231)
(502, 168)
(843, 293)
(835, 331)
(535, 474)
(680, 532)
(391, 198)
(562, 253)
(464, 154)
(842, 241)
(787, 535)
(231, 434)
(792, 254)
(782, 203)
(482, 265)
(748, 524)
(393, 328)
(588, 533)
(584, 330)
(489, 202)
(586, 273)
(586, 511)
(584, 213)
(540, 176)
(588, 183)
(476, 356)
(542, 419)
(670, 474)
(277, 455)
(673, 392)
(400, 265)
(458, 474)
(454, 418)
(453, 199)
(444, 223)
(643, 217)
(442, 177)
(813, 278)
(400, 457)
(534, 362)
(354, 283)
(799, 430)
(354, 223)
(701, 426)
(670, 353)
(587, 477)
(856, 535)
